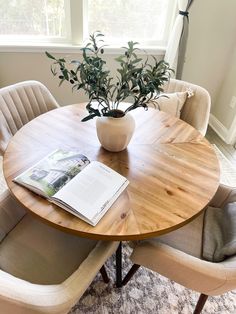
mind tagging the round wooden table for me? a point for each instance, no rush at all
(172, 169)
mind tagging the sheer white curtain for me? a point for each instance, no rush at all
(176, 47)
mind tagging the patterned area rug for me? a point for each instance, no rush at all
(149, 292)
(146, 293)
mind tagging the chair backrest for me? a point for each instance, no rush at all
(196, 110)
(20, 103)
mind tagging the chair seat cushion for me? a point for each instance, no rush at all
(41, 254)
(219, 233)
(187, 238)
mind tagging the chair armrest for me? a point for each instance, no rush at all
(225, 194)
(5, 133)
(16, 294)
(230, 269)
(187, 270)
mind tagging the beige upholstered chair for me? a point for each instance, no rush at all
(42, 269)
(20, 103)
(177, 256)
(196, 110)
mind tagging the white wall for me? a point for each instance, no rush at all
(210, 44)
(222, 110)
(211, 59)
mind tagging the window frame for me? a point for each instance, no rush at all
(76, 16)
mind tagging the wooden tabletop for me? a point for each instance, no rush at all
(173, 172)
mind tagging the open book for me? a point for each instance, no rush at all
(68, 179)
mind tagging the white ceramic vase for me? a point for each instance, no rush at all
(115, 134)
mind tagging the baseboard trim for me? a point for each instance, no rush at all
(232, 132)
(227, 135)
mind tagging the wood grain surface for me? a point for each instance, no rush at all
(173, 172)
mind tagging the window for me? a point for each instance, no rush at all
(70, 21)
(147, 22)
(40, 20)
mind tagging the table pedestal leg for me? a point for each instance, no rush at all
(119, 266)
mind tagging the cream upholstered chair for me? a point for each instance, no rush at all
(177, 256)
(42, 269)
(196, 110)
(20, 103)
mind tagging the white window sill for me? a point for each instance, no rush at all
(67, 48)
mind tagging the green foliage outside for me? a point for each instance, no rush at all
(37, 17)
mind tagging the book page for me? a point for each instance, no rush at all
(92, 189)
(54, 171)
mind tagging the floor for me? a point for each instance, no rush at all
(228, 150)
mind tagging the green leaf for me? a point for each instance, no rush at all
(120, 59)
(75, 62)
(61, 82)
(49, 55)
(65, 73)
(53, 70)
(99, 34)
(89, 117)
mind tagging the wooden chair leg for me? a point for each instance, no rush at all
(130, 274)
(200, 304)
(103, 272)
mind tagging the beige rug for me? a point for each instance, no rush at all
(228, 172)
(149, 292)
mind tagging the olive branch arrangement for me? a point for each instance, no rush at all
(137, 80)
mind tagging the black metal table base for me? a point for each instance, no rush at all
(119, 266)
